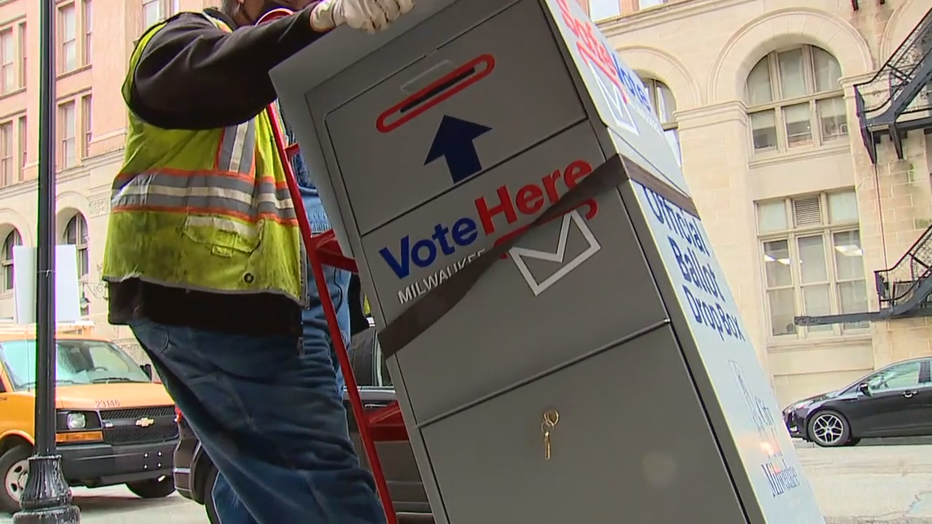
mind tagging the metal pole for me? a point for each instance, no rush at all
(47, 497)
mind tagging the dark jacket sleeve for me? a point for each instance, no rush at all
(193, 75)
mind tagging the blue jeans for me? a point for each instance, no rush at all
(316, 331)
(270, 415)
(230, 507)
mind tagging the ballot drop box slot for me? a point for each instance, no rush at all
(453, 131)
(396, 135)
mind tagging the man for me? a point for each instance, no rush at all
(204, 260)
(315, 329)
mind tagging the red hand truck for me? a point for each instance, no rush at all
(384, 424)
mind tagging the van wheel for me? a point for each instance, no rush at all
(209, 503)
(153, 488)
(14, 467)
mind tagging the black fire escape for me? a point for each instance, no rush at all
(897, 101)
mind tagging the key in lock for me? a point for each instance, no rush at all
(551, 419)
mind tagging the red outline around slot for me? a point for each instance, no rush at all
(489, 61)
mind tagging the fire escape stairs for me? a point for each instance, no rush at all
(898, 99)
(902, 290)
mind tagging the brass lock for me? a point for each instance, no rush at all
(551, 419)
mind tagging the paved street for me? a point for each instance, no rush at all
(865, 484)
(872, 483)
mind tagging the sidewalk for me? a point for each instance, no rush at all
(870, 520)
(902, 441)
(879, 483)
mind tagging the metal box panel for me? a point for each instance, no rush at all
(736, 393)
(471, 104)
(573, 285)
(511, 326)
(631, 441)
(620, 98)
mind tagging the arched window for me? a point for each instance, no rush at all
(6, 258)
(661, 98)
(76, 234)
(795, 99)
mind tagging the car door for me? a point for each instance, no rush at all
(893, 406)
(5, 388)
(924, 396)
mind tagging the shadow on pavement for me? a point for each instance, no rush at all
(92, 504)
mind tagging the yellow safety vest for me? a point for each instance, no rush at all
(204, 210)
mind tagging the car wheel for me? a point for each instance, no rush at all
(209, 504)
(829, 429)
(14, 467)
(153, 488)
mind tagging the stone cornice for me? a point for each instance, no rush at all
(675, 10)
(83, 170)
(706, 115)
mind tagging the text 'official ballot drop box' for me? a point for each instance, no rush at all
(587, 366)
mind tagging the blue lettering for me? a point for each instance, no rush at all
(693, 304)
(653, 204)
(632, 82)
(696, 235)
(781, 480)
(440, 236)
(678, 221)
(424, 252)
(465, 231)
(713, 316)
(401, 268)
(694, 271)
(681, 260)
(421, 245)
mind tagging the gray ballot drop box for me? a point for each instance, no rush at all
(588, 366)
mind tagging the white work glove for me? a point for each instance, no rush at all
(368, 15)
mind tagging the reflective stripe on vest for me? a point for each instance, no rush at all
(238, 148)
(225, 194)
(215, 200)
(230, 190)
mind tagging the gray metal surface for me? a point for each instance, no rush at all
(503, 332)
(712, 410)
(631, 440)
(400, 469)
(527, 95)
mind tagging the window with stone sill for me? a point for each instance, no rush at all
(664, 104)
(12, 240)
(644, 4)
(87, 123)
(23, 146)
(76, 235)
(68, 38)
(7, 165)
(67, 141)
(813, 262)
(7, 61)
(603, 9)
(154, 11)
(795, 99)
(23, 46)
(87, 52)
